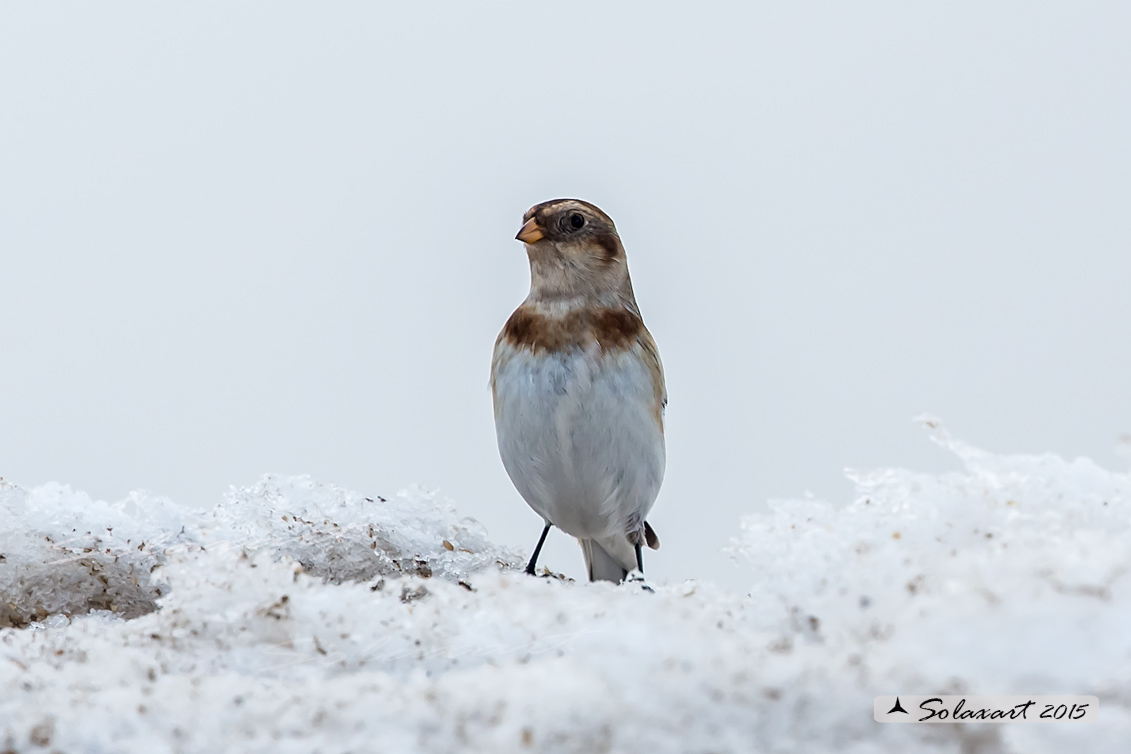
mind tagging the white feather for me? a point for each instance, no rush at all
(578, 435)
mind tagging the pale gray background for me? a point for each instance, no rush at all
(253, 237)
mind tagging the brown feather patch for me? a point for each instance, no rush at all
(609, 243)
(650, 536)
(611, 328)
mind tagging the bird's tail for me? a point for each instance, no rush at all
(602, 566)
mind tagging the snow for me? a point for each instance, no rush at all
(298, 616)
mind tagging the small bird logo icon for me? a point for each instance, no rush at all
(898, 708)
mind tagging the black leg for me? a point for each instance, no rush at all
(534, 558)
(639, 559)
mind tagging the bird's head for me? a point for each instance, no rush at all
(574, 252)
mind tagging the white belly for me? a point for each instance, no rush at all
(579, 438)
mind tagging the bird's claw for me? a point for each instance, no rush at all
(636, 578)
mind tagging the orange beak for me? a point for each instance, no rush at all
(530, 232)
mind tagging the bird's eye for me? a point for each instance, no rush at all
(576, 221)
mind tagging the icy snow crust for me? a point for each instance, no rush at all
(298, 617)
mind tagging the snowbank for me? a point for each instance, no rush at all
(303, 617)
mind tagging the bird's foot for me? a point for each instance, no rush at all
(546, 573)
(636, 578)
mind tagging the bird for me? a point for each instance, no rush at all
(578, 391)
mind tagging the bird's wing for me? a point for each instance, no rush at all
(651, 355)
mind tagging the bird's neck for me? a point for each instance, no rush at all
(556, 288)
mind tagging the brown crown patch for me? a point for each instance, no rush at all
(553, 206)
(611, 328)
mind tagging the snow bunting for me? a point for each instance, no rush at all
(579, 391)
